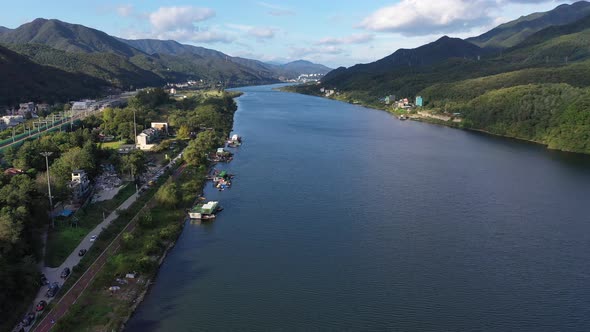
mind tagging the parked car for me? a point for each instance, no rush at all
(44, 280)
(52, 290)
(82, 252)
(41, 305)
(29, 318)
(65, 273)
(93, 238)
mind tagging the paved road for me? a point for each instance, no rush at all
(53, 274)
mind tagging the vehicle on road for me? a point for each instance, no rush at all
(41, 305)
(44, 280)
(65, 273)
(82, 252)
(52, 290)
(29, 318)
(93, 238)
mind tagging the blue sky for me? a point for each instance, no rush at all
(335, 33)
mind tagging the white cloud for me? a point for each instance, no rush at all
(257, 32)
(125, 10)
(421, 17)
(276, 10)
(358, 38)
(297, 52)
(179, 18)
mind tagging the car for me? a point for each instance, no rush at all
(44, 280)
(29, 318)
(82, 252)
(52, 290)
(65, 273)
(93, 238)
(41, 305)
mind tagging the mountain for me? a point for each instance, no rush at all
(405, 60)
(3, 29)
(304, 67)
(511, 33)
(24, 80)
(554, 45)
(67, 37)
(171, 47)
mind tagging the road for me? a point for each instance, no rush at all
(73, 259)
(78, 116)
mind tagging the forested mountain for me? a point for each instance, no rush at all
(171, 47)
(3, 29)
(67, 37)
(511, 33)
(21, 79)
(538, 89)
(303, 67)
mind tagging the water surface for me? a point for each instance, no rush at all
(344, 218)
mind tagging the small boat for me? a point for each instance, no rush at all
(204, 211)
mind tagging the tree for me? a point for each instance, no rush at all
(133, 163)
(184, 132)
(168, 195)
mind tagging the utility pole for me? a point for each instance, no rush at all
(46, 155)
(134, 128)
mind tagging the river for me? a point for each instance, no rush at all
(345, 218)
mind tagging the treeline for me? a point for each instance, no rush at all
(553, 114)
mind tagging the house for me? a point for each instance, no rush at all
(161, 126)
(13, 171)
(26, 108)
(146, 138)
(84, 105)
(79, 186)
(419, 101)
(13, 120)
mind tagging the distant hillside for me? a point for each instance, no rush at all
(67, 37)
(554, 45)
(109, 67)
(403, 61)
(24, 80)
(171, 47)
(304, 67)
(3, 29)
(511, 33)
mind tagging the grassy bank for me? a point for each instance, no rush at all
(67, 234)
(141, 251)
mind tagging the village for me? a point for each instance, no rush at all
(403, 108)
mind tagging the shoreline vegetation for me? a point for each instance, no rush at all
(145, 248)
(551, 137)
(200, 121)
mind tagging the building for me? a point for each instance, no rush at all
(161, 126)
(419, 101)
(26, 108)
(84, 105)
(12, 120)
(79, 186)
(146, 138)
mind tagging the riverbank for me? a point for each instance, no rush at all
(110, 299)
(434, 119)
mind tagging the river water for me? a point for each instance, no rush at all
(345, 218)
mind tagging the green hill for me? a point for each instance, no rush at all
(24, 80)
(67, 37)
(512, 33)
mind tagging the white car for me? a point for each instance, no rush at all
(92, 238)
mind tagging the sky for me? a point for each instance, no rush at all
(334, 33)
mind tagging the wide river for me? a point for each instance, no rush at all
(345, 218)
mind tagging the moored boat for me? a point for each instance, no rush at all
(204, 211)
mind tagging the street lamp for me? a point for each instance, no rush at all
(46, 155)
